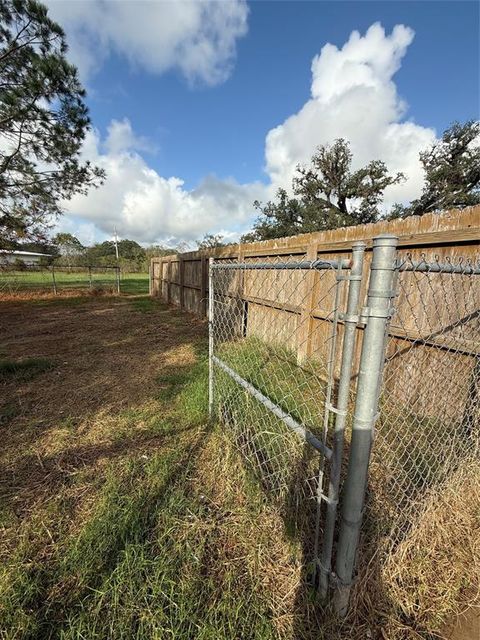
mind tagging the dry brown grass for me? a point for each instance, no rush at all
(430, 583)
(434, 575)
(106, 359)
(25, 295)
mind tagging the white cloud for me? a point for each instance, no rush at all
(148, 207)
(86, 232)
(353, 96)
(197, 37)
(120, 137)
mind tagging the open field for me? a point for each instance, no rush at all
(13, 282)
(124, 514)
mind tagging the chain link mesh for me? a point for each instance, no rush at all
(277, 329)
(15, 279)
(429, 422)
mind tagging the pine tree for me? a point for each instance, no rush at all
(43, 123)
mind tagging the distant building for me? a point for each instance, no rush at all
(29, 258)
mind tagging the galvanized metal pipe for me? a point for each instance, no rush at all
(210, 337)
(287, 419)
(377, 312)
(326, 417)
(304, 264)
(348, 348)
(439, 267)
(117, 271)
(54, 282)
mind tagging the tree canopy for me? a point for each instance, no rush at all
(452, 172)
(211, 241)
(68, 247)
(327, 194)
(43, 123)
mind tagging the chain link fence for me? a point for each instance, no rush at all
(55, 279)
(261, 335)
(429, 411)
(305, 361)
(275, 363)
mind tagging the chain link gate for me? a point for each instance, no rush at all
(281, 347)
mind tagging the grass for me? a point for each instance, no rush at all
(275, 371)
(392, 592)
(24, 281)
(125, 514)
(134, 283)
(132, 522)
(428, 575)
(145, 304)
(146, 560)
(23, 370)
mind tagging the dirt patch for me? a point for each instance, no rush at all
(467, 627)
(105, 354)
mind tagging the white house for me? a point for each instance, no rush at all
(29, 258)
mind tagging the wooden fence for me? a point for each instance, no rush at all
(420, 318)
(182, 279)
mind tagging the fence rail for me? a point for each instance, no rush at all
(183, 279)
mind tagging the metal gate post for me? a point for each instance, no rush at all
(376, 313)
(350, 319)
(210, 338)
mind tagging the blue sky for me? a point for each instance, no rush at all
(202, 126)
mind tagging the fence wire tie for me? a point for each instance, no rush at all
(349, 277)
(340, 412)
(369, 422)
(349, 317)
(328, 500)
(337, 582)
(326, 571)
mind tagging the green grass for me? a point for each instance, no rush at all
(274, 370)
(18, 281)
(163, 583)
(146, 304)
(134, 283)
(285, 465)
(144, 521)
(23, 370)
